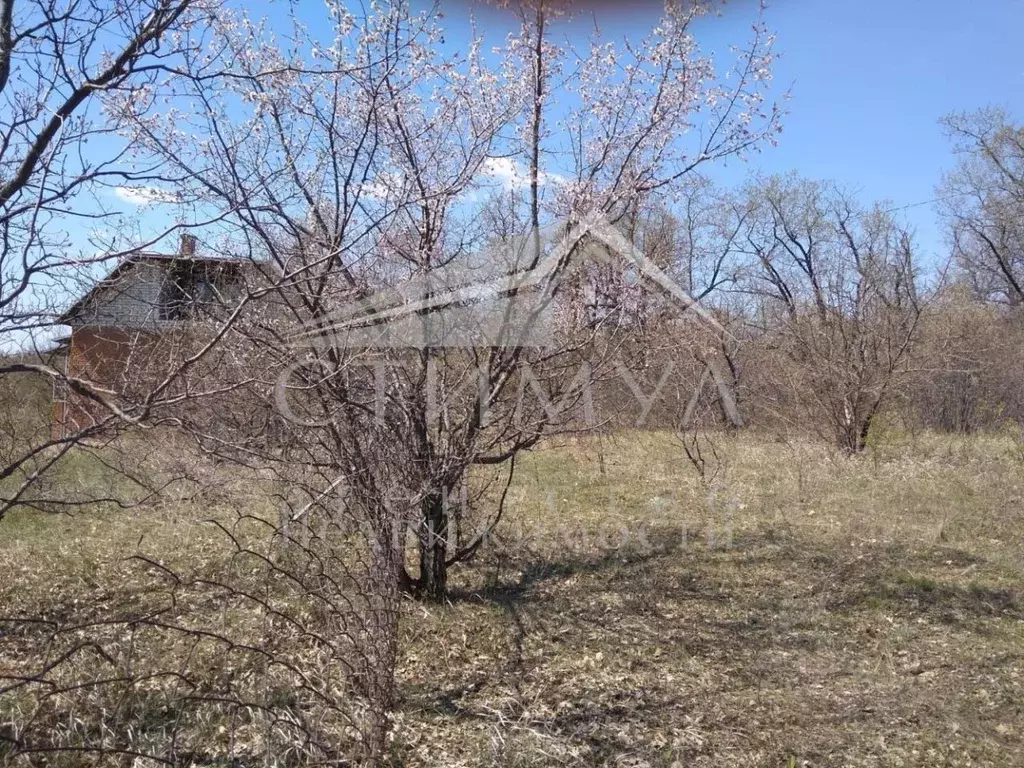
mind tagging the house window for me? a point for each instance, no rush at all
(187, 289)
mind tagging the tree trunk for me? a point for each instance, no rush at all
(434, 547)
(862, 435)
(377, 643)
(727, 399)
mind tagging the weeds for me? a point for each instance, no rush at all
(850, 636)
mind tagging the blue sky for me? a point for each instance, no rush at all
(869, 80)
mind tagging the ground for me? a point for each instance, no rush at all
(794, 607)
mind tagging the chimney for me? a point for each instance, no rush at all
(188, 246)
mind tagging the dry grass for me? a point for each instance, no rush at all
(866, 612)
(849, 612)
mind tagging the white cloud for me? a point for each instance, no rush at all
(513, 174)
(145, 195)
(386, 185)
(506, 170)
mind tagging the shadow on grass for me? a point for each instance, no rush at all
(777, 588)
(696, 641)
(535, 570)
(945, 601)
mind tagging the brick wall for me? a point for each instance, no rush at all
(108, 357)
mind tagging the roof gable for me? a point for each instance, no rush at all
(129, 284)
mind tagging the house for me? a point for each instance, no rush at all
(121, 328)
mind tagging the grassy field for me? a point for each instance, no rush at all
(799, 608)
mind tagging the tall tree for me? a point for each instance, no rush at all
(840, 289)
(371, 165)
(984, 203)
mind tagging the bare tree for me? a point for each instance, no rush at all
(363, 168)
(971, 353)
(841, 300)
(699, 246)
(984, 203)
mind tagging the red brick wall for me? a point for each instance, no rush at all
(104, 356)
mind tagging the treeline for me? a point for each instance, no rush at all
(832, 315)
